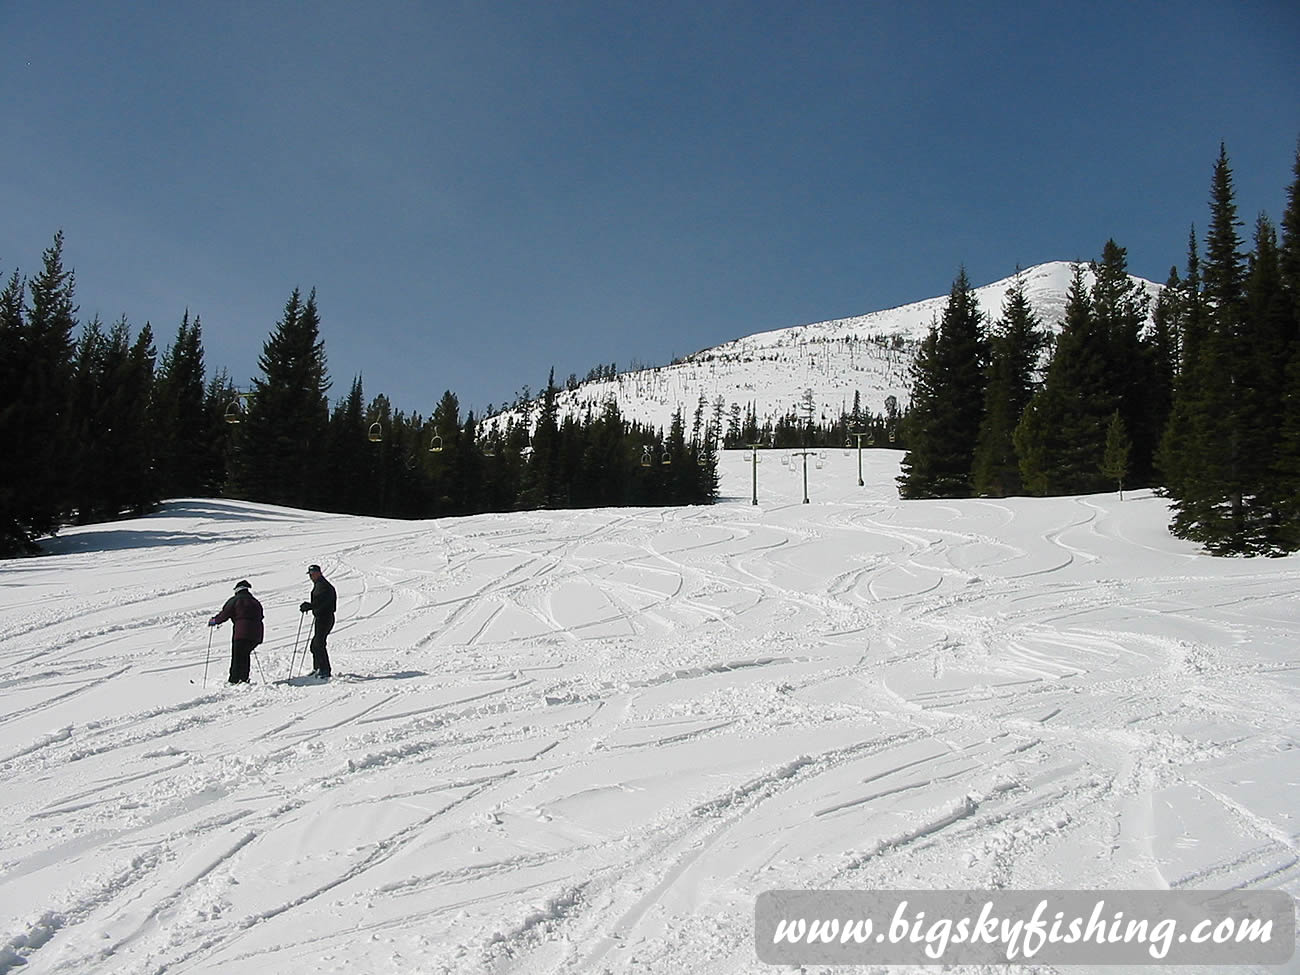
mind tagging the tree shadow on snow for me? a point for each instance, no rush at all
(83, 539)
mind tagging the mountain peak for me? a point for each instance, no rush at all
(868, 355)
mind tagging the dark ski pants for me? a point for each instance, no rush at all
(320, 658)
(241, 655)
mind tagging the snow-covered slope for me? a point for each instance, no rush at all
(585, 741)
(868, 355)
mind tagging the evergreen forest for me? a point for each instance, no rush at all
(1197, 396)
(102, 427)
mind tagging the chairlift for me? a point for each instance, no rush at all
(376, 434)
(233, 413)
(435, 445)
(666, 459)
(646, 460)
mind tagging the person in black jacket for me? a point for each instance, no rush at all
(246, 611)
(322, 605)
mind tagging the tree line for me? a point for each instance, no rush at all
(99, 426)
(1197, 395)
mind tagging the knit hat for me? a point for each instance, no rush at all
(313, 567)
(242, 584)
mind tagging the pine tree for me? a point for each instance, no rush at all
(1062, 437)
(1120, 310)
(137, 473)
(281, 446)
(88, 423)
(951, 380)
(450, 463)
(187, 463)
(1286, 465)
(919, 464)
(1017, 344)
(109, 447)
(380, 496)
(541, 484)
(14, 537)
(1266, 340)
(218, 397)
(1176, 455)
(1213, 501)
(43, 396)
(349, 454)
(1115, 460)
(1163, 352)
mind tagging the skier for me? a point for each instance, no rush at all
(246, 611)
(322, 605)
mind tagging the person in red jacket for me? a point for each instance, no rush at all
(246, 611)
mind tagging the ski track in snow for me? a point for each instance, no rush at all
(584, 742)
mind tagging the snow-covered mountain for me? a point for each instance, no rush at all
(868, 355)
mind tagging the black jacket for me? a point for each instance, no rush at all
(324, 601)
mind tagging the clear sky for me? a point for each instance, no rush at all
(479, 191)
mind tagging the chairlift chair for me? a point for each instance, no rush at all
(435, 445)
(233, 412)
(376, 434)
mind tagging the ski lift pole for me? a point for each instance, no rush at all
(753, 460)
(859, 434)
(804, 454)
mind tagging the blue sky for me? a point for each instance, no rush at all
(480, 191)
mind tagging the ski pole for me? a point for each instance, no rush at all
(311, 630)
(293, 656)
(259, 666)
(207, 658)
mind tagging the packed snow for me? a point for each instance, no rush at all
(586, 741)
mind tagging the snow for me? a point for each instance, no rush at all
(586, 741)
(772, 371)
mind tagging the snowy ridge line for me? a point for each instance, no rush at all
(867, 355)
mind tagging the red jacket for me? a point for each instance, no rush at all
(246, 611)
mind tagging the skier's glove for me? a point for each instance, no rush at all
(305, 608)
(212, 622)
